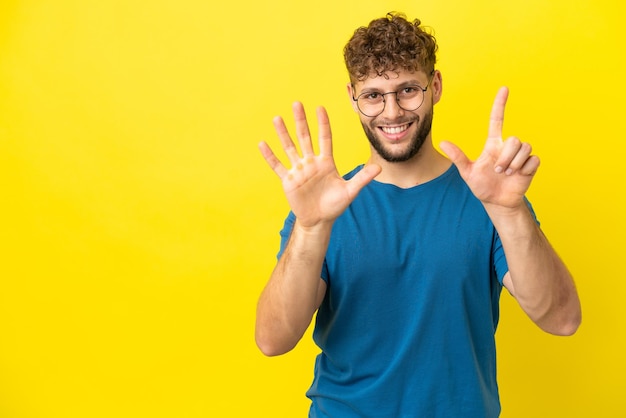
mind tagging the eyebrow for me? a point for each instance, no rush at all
(402, 85)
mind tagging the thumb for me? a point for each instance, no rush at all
(455, 154)
(362, 178)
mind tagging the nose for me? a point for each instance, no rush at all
(392, 108)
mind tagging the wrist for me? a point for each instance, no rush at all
(312, 230)
(515, 220)
(506, 211)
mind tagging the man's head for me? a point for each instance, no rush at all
(390, 44)
(393, 84)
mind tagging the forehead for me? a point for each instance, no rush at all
(391, 80)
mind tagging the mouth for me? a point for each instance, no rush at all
(395, 132)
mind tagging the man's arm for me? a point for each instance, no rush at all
(537, 277)
(499, 178)
(317, 195)
(294, 291)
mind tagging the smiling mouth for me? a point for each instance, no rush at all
(393, 130)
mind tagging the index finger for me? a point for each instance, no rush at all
(497, 113)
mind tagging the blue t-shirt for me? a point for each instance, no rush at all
(407, 325)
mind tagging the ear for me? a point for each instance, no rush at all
(437, 86)
(351, 94)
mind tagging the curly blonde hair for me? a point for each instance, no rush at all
(391, 43)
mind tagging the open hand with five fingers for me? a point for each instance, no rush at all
(316, 193)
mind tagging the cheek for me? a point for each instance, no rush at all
(373, 126)
(367, 122)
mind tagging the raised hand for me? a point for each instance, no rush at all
(504, 170)
(314, 189)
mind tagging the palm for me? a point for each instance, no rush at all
(315, 191)
(503, 172)
(313, 187)
(495, 188)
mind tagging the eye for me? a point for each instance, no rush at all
(372, 96)
(409, 92)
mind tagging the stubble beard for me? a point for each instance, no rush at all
(414, 146)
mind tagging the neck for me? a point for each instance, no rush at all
(425, 166)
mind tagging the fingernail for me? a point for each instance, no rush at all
(498, 169)
(509, 172)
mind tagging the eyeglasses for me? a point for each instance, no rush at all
(409, 98)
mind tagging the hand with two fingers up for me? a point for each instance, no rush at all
(502, 173)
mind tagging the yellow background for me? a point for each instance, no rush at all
(139, 222)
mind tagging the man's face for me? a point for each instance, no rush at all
(396, 134)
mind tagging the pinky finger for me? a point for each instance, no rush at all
(531, 166)
(271, 159)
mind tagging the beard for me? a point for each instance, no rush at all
(415, 143)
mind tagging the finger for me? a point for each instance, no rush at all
(362, 178)
(325, 136)
(531, 166)
(520, 158)
(302, 129)
(271, 160)
(508, 153)
(457, 156)
(285, 140)
(497, 114)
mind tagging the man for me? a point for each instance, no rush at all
(405, 257)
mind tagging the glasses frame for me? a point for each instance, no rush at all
(356, 99)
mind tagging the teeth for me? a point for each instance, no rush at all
(394, 129)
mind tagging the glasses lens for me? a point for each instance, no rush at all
(410, 98)
(371, 104)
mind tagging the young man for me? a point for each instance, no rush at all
(404, 258)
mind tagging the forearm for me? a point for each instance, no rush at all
(538, 279)
(293, 292)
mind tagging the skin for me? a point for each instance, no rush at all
(317, 194)
(372, 125)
